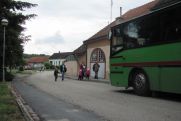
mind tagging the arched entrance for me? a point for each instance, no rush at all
(98, 55)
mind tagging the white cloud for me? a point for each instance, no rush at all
(55, 39)
(74, 20)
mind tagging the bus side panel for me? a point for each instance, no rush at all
(158, 62)
(118, 80)
(153, 74)
(171, 79)
(118, 74)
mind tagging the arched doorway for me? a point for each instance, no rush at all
(98, 55)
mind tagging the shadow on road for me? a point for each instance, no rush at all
(168, 96)
(156, 95)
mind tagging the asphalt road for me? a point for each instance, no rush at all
(51, 108)
(73, 100)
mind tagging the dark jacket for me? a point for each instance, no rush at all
(56, 72)
(96, 67)
(63, 68)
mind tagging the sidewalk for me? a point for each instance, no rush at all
(90, 79)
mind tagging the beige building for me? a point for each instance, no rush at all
(71, 64)
(98, 50)
(74, 60)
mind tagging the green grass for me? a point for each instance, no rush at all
(9, 110)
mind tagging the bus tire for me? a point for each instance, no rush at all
(141, 83)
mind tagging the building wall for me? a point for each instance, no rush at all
(81, 60)
(36, 66)
(56, 62)
(71, 68)
(105, 46)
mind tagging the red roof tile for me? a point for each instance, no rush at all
(38, 60)
(141, 10)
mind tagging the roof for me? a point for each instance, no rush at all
(164, 3)
(59, 55)
(141, 10)
(80, 50)
(37, 59)
(103, 33)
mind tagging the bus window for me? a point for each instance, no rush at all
(173, 33)
(117, 41)
(172, 28)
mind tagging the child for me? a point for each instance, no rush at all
(88, 73)
(56, 73)
(80, 74)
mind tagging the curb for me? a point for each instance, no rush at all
(27, 111)
(90, 80)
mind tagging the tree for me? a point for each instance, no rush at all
(12, 10)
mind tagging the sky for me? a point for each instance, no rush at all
(63, 25)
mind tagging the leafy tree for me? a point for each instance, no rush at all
(48, 65)
(12, 11)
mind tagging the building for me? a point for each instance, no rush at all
(36, 62)
(75, 59)
(57, 58)
(98, 50)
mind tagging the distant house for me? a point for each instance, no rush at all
(57, 58)
(36, 62)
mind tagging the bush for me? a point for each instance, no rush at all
(8, 76)
(21, 68)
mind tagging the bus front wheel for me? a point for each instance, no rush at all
(141, 83)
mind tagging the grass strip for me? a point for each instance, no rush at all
(9, 110)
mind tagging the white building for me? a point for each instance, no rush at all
(57, 58)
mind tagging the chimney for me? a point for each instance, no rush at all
(119, 19)
(120, 11)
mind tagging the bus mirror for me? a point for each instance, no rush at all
(110, 35)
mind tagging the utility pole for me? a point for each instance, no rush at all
(111, 11)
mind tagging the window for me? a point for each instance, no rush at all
(117, 41)
(97, 55)
(142, 32)
(171, 25)
(51, 62)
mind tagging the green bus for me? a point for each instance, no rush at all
(145, 52)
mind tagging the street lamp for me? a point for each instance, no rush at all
(4, 23)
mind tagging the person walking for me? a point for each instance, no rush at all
(56, 73)
(96, 69)
(63, 69)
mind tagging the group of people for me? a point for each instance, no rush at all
(83, 71)
(63, 69)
